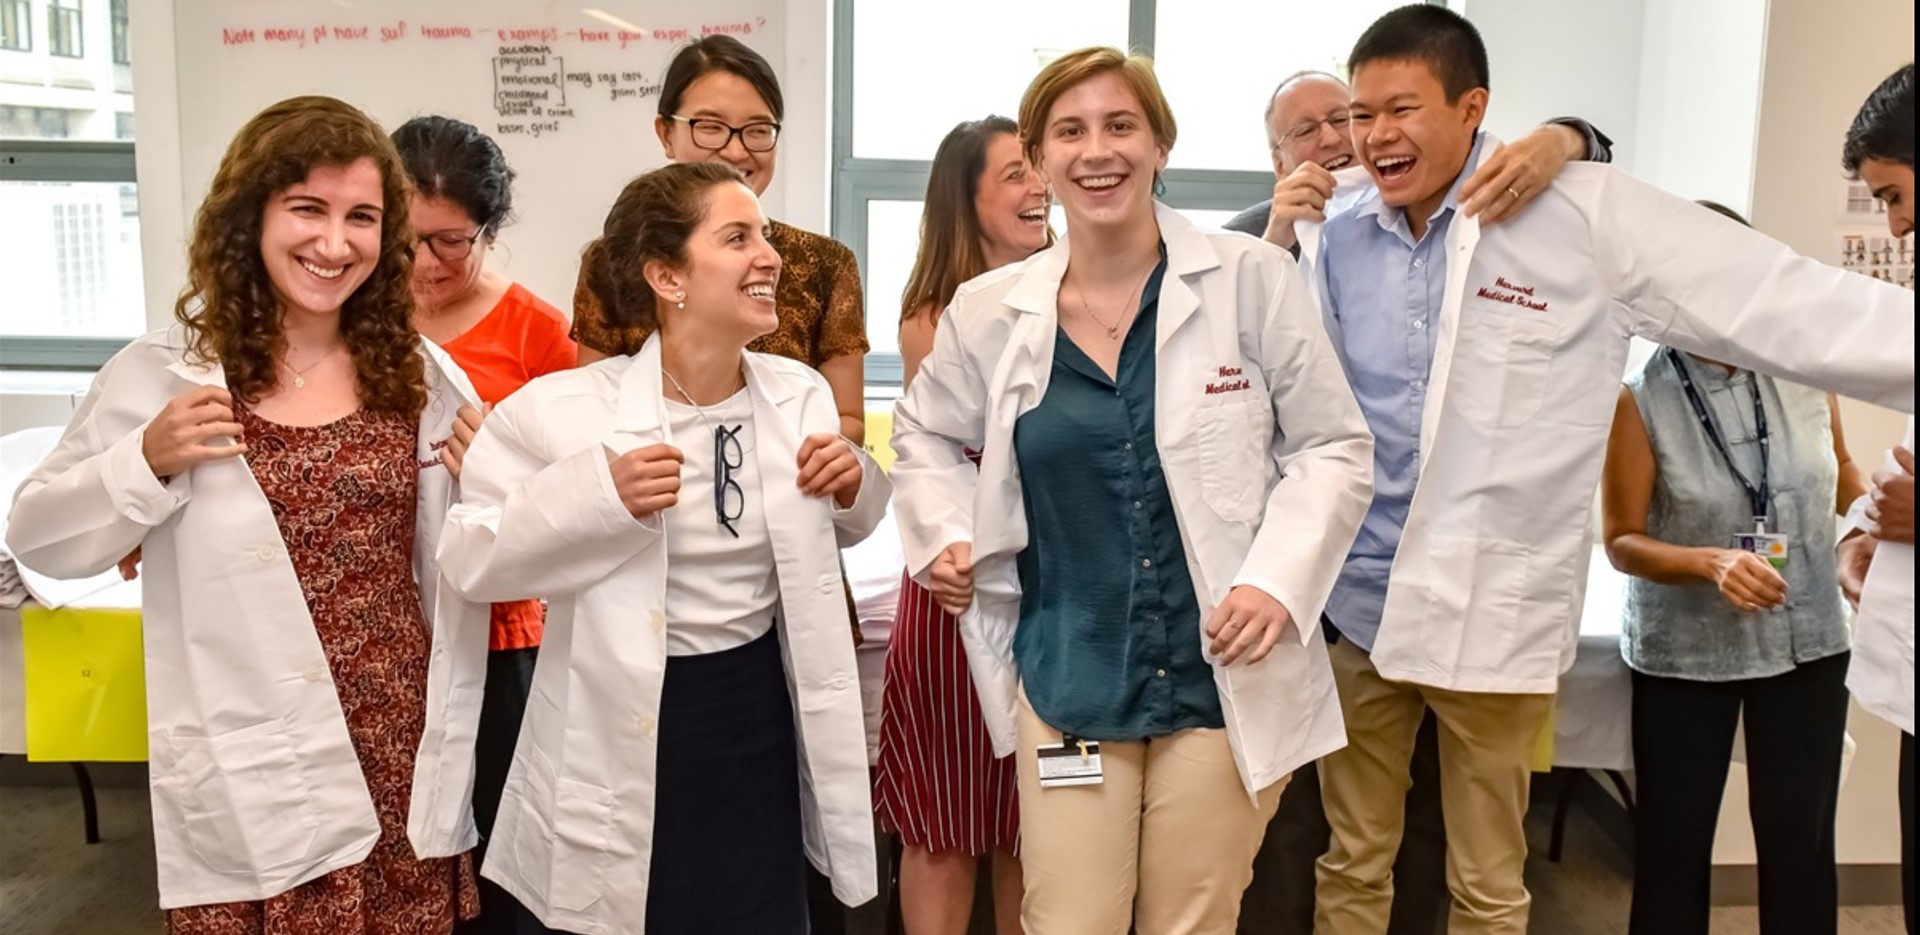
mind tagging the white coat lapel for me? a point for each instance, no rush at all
(640, 418)
(1188, 254)
(1019, 381)
(1463, 236)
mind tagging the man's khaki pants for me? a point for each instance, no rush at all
(1486, 753)
(1165, 843)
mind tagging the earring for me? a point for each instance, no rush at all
(680, 300)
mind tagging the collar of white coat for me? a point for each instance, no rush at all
(442, 374)
(642, 407)
(1037, 292)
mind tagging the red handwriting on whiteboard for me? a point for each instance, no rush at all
(348, 33)
(596, 35)
(446, 32)
(394, 33)
(627, 37)
(287, 36)
(236, 36)
(727, 29)
(543, 34)
(670, 35)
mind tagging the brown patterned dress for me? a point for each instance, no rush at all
(343, 495)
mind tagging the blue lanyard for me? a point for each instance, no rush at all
(1758, 497)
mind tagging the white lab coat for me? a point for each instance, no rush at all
(255, 784)
(1486, 589)
(540, 516)
(1881, 674)
(1267, 458)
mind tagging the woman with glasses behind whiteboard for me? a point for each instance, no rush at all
(695, 731)
(720, 102)
(502, 335)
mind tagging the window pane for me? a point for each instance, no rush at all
(73, 249)
(1206, 219)
(893, 239)
(921, 68)
(1219, 79)
(55, 85)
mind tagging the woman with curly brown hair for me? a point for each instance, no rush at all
(275, 457)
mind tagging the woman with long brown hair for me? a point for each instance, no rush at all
(274, 458)
(938, 786)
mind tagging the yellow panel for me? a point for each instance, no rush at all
(879, 430)
(86, 685)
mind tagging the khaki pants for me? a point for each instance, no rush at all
(1486, 753)
(1165, 843)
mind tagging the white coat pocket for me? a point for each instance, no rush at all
(1503, 362)
(244, 801)
(1231, 441)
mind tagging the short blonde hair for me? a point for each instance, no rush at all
(1074, 67)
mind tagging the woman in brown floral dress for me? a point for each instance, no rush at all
(273, 458)
(720, 102)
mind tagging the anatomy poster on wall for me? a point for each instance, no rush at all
(1877, 255)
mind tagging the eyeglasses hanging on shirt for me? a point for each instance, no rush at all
(729, 500)
(727, 459)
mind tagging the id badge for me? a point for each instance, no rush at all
(1771, 546)
(1072, 762)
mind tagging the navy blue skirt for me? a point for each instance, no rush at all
(727, 852)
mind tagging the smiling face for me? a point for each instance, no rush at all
(731, 271)
(320, 238)
(732, 100)
(1099, 153)
(1010, 200)
(1413, 141)
(1310, 125)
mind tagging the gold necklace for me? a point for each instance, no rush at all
(300, 375)
(1113, 330)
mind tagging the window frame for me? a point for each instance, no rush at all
(859, 181)
(103, 161)
(120, 32)
(72, 26)
(20, 14)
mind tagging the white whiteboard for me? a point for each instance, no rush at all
(569, 93)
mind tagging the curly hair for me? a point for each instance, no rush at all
(651, 220)
(229, 308)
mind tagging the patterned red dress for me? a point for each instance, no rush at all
(343, 494)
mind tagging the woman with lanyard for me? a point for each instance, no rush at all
(1139, 558)
(695, 733)
(1719, 499)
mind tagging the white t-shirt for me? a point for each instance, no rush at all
(722, 590)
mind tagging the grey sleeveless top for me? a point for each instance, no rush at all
(1690, 630)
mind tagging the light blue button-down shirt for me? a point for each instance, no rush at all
(1384, 291)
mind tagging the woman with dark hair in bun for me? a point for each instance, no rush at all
(502, 335)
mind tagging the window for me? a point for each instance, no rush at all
(16, 26)
(75, 287)
(63, 30)
(122, 52)
(1218, 61)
